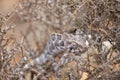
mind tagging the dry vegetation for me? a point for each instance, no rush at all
(25, 27)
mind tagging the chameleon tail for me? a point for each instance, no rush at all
(37, 61)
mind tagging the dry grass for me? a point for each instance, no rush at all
(25, 26)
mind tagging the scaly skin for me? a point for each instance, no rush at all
(57, 43)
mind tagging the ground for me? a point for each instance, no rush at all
(25, 26)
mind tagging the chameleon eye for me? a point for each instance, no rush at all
(73, 45)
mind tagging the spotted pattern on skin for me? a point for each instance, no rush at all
(57, 43)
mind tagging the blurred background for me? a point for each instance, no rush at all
(26, 25)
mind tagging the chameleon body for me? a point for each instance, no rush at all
(57, 43)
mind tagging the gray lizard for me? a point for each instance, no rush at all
(57, 43)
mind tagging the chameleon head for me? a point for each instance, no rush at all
(76, 42)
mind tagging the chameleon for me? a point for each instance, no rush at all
(57, 44)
